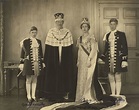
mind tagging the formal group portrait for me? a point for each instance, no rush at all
(69, 54)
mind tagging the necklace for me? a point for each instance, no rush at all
(85, 39)
(60, 38)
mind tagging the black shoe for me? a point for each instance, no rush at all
(35, 99)
(29, 102)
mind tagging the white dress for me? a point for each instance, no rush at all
(85, 74)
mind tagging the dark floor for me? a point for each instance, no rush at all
(13, 103)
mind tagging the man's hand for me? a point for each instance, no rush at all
(43, 65)
(124, 64)
(100, 61)
(21, 66)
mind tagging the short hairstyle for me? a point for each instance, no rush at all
(113, 20)
(85, 23)
(33, 28)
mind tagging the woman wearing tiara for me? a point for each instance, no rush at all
(87, 57)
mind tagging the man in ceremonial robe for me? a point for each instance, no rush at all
(58, 59)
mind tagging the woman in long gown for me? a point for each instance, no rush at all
(87, 56)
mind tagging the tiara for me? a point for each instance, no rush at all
(85, 20)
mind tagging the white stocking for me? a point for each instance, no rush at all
(28, 87)
(112, 83)
(34, 83)
(118, 83)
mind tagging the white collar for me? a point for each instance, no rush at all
(34, 42)
(32, 38)
(114, 31)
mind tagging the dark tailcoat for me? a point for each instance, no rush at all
(27, 57)
(120, 52)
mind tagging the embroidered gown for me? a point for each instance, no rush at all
(58, 60)
(85, 74)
